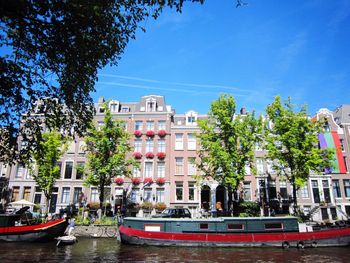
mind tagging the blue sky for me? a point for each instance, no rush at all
(267, 48)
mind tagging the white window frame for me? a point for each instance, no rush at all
(179, 141)
(191, 142)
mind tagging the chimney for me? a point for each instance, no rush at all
(243, 111)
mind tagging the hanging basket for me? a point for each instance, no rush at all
(161, 155)
(160, 181)
(137, 155)
(119, 180)
(135, 180)
(149, 155)
(161, 133)
(138, 133)
(150, 133)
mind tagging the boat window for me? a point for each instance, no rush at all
(235, 227)
(203, 226)
(273, 226)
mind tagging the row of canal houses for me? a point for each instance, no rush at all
(165, 146)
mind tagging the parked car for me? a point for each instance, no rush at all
(174, 213)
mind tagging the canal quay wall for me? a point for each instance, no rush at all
(97, 231)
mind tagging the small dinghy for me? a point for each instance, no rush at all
(66, 240)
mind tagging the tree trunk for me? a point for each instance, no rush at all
(295, 201)
(102, 194)
(47, 201)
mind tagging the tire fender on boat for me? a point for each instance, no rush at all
(314, 244)
(285, 244)
(301, 244)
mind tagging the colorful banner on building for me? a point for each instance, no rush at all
(331, 140)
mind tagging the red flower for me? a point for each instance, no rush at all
(161, 155)
(149, 155)
(136, 180)
(119, 180)
(161, 133)
(137, 155)
(148, 181)
(150, 133)
(160, 180)
(137, 133)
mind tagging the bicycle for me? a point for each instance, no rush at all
(104, 231)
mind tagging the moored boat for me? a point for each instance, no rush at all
(10, 232)
(230, 232)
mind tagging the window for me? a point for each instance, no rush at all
(283, 190)
(179, 191)
(94, 195)
(270, 166)
(65, 195)
(68, 170)
(26, 193)
(272, 190)
(345, 163)
(151, 105)
(326, 191)
(148, 169)
(260, 165)
(179, 165)
(161, 125)
(149, 145)
(191, 191)
(124, 125)
(258, 146)
(161, 145)
(136, 172)
(160, 195)
(125, 109)
(161, 169)
(80, 170)
(336, 189)
(203, 226)
(138, 125)
(315, 191)
(138, 145)
(15, 193)
(20, 171)
(191, 166)
(247, 169)
(71, 149)
(113, 106)
(191, 141)
(304, 192)
(77, 194)
(150, 125)
(273, 226)
(247, 193)
(179, 144)
(347, 188)
(134, 196)
(191, 119)
(147, 195)
(342, 144)
(82, 146)
(235, 227)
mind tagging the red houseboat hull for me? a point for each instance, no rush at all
(34, 233)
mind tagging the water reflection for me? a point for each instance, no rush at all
(109, 250)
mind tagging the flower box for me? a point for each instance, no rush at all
(149, 155)
(160, 206)
(160, 181)
(161, 133)
(147, 206)
(119, 180)
(137, 155)
(148, 181)
(150, 133)
(137, 133)
(161, 155)
(135, 180)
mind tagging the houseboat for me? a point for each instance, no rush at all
(12, 230)
(231, 232)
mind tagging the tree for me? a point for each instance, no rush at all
(227, 142)
(291, 144)
(107, 148)
(50, 149)
(52, 51)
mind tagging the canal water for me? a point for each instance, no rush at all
(110, 250)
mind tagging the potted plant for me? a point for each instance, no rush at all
(147, 206)
(150, 133)
(160, 181)
(119, 180)
(161, 155)
(137, 133)
(160, 206)
(148, 181)
(137, 155)
(149, 155)
(161, 133)
(135, 180)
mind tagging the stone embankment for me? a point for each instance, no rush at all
(96, 231)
